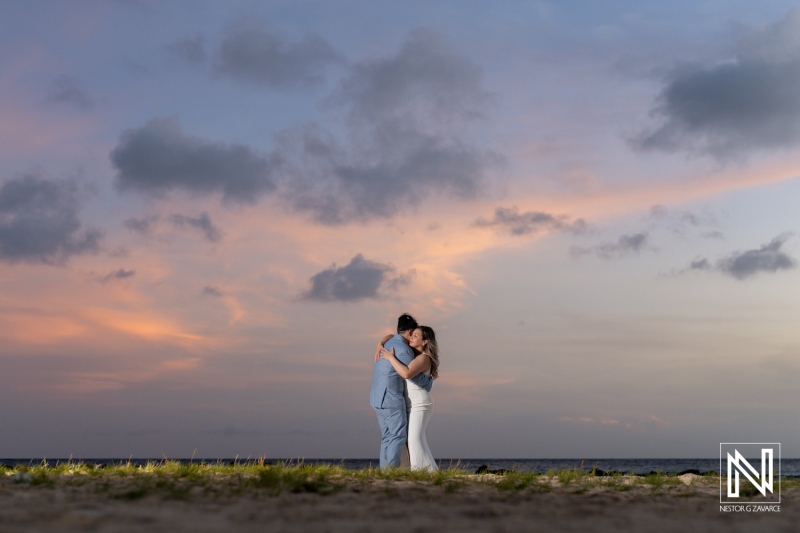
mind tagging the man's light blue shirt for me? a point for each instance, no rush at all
(388, 387)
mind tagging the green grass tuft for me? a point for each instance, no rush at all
(173, 480)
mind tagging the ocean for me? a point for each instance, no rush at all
(789, 468)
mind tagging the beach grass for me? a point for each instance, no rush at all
(171, 479)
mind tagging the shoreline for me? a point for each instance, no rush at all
(674, 466)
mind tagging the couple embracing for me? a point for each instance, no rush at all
(405, 366)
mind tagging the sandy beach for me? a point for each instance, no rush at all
(474, 503)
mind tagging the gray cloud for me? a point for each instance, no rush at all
(400, 145)
(398, 281)
(625, 245)
(191, 49)
(202, 222)
(39, 222)
(142, 226)
(407, 113)
(208, 290)
(678, 221)
(742, 265)
(159, 157)
(69, 91)
(146, 226)
(700, 264)
(396, 168)
(427, 77)
(358, 280)
(117, 275)
(730, 109)
(252, 54)
(660, 212)
(530, 222)
(713, 235)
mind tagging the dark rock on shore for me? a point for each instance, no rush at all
(484, 469)
(602, 473)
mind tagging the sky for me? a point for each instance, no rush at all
(211, 211)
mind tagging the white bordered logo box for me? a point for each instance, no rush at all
(750, 472)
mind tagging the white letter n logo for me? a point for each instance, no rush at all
(741, 465)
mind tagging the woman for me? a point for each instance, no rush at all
(423, 341)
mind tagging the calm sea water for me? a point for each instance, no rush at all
(788, 467)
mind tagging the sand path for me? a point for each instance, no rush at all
(396, 506)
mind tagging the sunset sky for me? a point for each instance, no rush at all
(210, 211)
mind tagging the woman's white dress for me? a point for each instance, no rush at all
(420, 410)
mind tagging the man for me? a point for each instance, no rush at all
(387, 395)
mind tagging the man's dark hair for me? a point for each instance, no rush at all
(405, 323)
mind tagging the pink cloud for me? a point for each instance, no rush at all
(639, 425)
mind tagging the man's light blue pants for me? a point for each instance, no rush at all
(394, 433)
